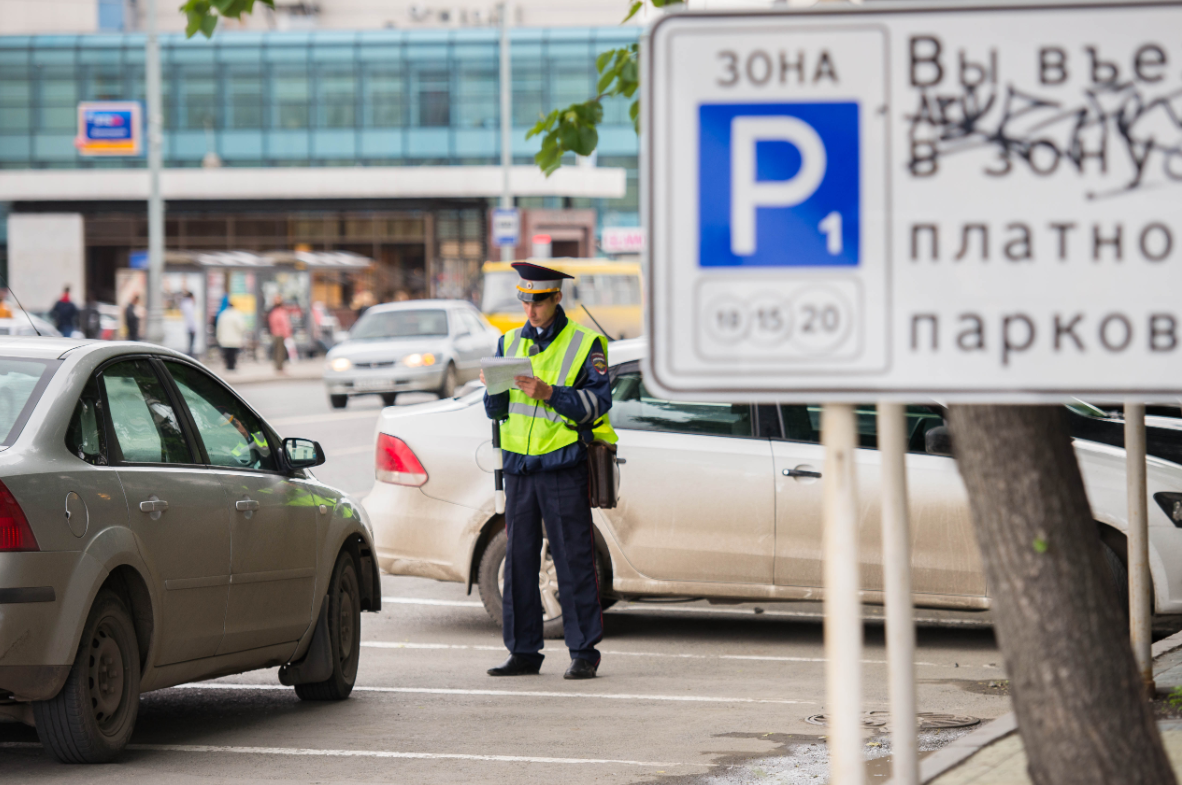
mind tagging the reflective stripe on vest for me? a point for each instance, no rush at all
(533, 428)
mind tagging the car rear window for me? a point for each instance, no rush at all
(21, 383)
(400, 324)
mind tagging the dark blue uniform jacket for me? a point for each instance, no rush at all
(563, 400)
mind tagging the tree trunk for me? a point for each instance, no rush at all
(1077, 693)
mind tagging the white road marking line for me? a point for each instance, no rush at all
(614, 653)
(449, 603)
(360, 754)
(307, 419)
(664, 608)
(508, 693)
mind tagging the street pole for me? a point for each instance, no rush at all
(843, 604)
(507, 251)
(896, 566)
(1140, 581)
(155, 331)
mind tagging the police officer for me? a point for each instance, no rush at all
(552, 416)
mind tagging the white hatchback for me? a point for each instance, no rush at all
(723, 501)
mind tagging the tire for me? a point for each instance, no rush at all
(1120, 579)
(448, 388)
(490, 579)
(338, 401)
(344, 634)
(92, 718)
(388, 399)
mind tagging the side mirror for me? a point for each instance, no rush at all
(302, 453)
(938, 441)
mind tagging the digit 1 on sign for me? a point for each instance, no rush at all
(830, 226)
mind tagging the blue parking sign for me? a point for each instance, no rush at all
(779, 185)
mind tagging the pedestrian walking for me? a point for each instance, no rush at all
(551, 418)
(231, 334)
(131, 318)
(64, 313)
(92, 320)
(189, 316)
(279, 324)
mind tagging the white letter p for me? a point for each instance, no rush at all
(748, 193)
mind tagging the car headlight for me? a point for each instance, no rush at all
(418, 360)
(341, 364)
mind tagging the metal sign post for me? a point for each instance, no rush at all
(507, 248)
(896, 568)
(1140, 580)
(843, 602)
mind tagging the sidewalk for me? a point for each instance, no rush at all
(993, 754)
(250, 372)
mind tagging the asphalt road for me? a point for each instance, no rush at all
(687, 692)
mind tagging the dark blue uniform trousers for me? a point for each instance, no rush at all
(560, 498)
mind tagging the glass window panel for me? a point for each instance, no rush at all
(146, 427)
(528, 91)
(384, 102)
(291, 98)
(104, 84)
(59, 118)
(338, 97)
(84, 436)
(15, 87)
(432, 90)
(58, 86)
(233, 436)
(244, 99)
(198, 89)
(478, 105)
(14, 118)
(634, 408)
(378, 325)
(19, 392)
(570, 80)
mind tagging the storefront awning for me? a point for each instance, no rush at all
(300, 260)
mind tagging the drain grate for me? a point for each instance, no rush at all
(927, 720)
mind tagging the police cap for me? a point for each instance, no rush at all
(537, 282)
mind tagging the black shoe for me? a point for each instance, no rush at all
(581, 669)
(516, 666)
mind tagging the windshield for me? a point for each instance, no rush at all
(399, 324)
(21, 384)
(500, 292)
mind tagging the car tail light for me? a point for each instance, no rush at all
(15, 534)
(397, 463)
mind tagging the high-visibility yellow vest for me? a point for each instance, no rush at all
(533, 428)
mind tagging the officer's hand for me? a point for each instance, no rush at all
(534, 387)
(482, 381)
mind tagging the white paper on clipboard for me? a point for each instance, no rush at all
(500, 371)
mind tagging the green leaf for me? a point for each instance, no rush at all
(588, 138)
(635, 9)
(568, 135)
(1040, 545)
(603, 59)
(630, 72)
(208, 24)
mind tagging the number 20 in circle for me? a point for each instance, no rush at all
(823, 319)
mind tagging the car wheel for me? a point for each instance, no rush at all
(1120, 579)
(448, 388)
(389, 398)
(338, 401)
(344, 634)
(91, 719)
(491, 580)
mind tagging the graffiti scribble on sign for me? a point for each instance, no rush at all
(1117, 130)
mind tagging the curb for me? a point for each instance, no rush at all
(965, 747)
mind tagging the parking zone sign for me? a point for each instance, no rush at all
(961, 202)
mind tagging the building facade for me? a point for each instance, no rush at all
(383, 143)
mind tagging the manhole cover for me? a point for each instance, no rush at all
(927, 720)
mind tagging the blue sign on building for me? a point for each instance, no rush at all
(109, 128)
(779, 185)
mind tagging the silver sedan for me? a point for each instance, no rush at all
(154, 530)
(419, 346)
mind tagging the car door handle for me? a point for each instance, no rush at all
(800, 473)
(245, 505)
(154, 505)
